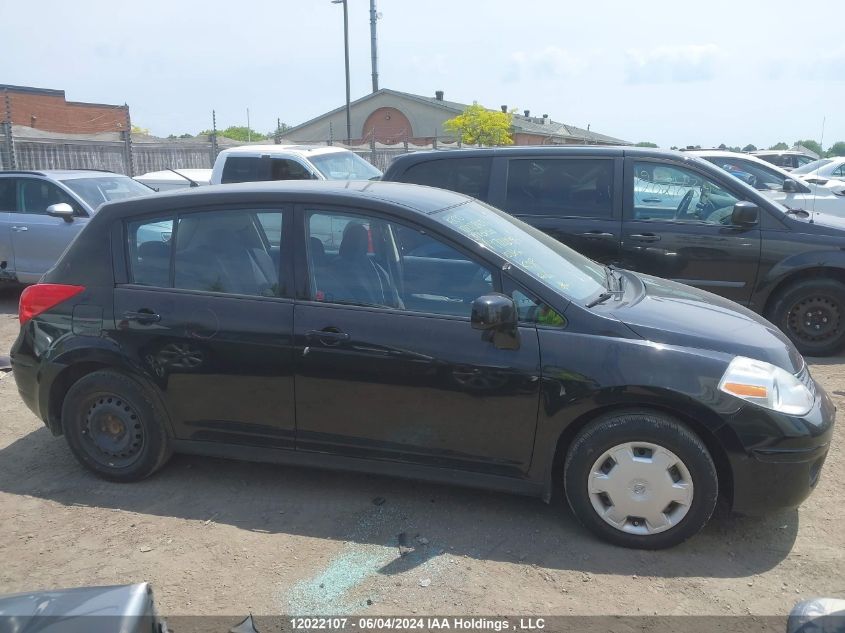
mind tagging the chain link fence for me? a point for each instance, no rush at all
(27, 148)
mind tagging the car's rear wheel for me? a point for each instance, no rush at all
(640, 479)
(115, 427)
(812, 314)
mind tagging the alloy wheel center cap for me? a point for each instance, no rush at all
(639, 489)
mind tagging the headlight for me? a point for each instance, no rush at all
(766, 385)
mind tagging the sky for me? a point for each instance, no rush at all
(673, 73)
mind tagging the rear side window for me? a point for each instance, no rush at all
(232, 252)
(560, 187)
(7, 194)
(149, 244)
(470, 176)
(258, 169)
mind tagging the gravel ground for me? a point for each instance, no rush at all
(223, 537)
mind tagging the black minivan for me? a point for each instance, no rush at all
(414, 331)
(666, 214)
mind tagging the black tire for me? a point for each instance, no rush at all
(812, 314)
(650, 427)
(115, 427)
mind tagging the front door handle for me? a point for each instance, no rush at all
(645, 237)
(20, 228)
(142, 316)
(598, 235)
(329, 336)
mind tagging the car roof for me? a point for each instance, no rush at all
(301, 150)
(61, 174)
(778, 152)
(717, 153)
(413, 198)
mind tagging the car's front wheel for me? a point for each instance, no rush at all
(640, 479)
(115, 427)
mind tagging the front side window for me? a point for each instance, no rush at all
(537, 254)
(97, 191)
(839, 171)
(677, 194)
(36, 195)
(560, 187)
(232, 252)
(469, 176)
(366, 261)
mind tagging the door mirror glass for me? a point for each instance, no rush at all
(61, 210)
(745, 214)
(790, 186)
(493, 312)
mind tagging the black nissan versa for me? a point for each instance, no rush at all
(413, 331)
(666, 214)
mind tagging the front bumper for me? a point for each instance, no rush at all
(782, 473)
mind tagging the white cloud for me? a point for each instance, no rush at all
(544, 63)
(672, 64)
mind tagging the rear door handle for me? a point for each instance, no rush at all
(645, 237)
(598, 235)
(142, 316)
(20, 228)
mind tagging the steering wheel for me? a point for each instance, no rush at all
(684, 206)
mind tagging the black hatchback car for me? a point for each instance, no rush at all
(414, 331)
(667, 214)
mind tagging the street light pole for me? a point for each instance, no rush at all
(346, 56)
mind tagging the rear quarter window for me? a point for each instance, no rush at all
(470, 176)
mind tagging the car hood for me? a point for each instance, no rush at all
(826, 220)
(670, 313)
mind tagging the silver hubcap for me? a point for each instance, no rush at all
(640, 488)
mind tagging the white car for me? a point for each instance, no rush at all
(254, 163)
(776, 183)
(170, 179)
(822, 171)
(787, 159)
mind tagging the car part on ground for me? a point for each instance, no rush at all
(817, 615)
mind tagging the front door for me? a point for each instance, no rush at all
(38, 240)
(388, 365)
(678, 226)
(571, 199)
(213, 328)
(8, 203)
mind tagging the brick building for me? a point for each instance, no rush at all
(391, 116)
(46, 109)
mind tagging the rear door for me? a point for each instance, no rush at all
(8, 204)
(205, 310)
(37, 238)
(678, 226)
(575, 200)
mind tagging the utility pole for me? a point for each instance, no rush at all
(374, 16)
(346, 58)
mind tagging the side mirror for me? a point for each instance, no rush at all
(495, 315)
(493, 312)
(61, 210)
(790, 186)
(745, 214)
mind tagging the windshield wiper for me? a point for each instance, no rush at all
(611, 276)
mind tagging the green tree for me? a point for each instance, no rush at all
(749, 148)
(237, 133)
(837, 149)
(477, 125)
(779, 146)
(137, 129)
(646, 144)
(811, 145)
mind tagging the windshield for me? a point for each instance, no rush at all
(811, 167)
(101, 189)
(542, 257)
(344, 166)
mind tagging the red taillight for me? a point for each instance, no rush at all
(40, 297)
